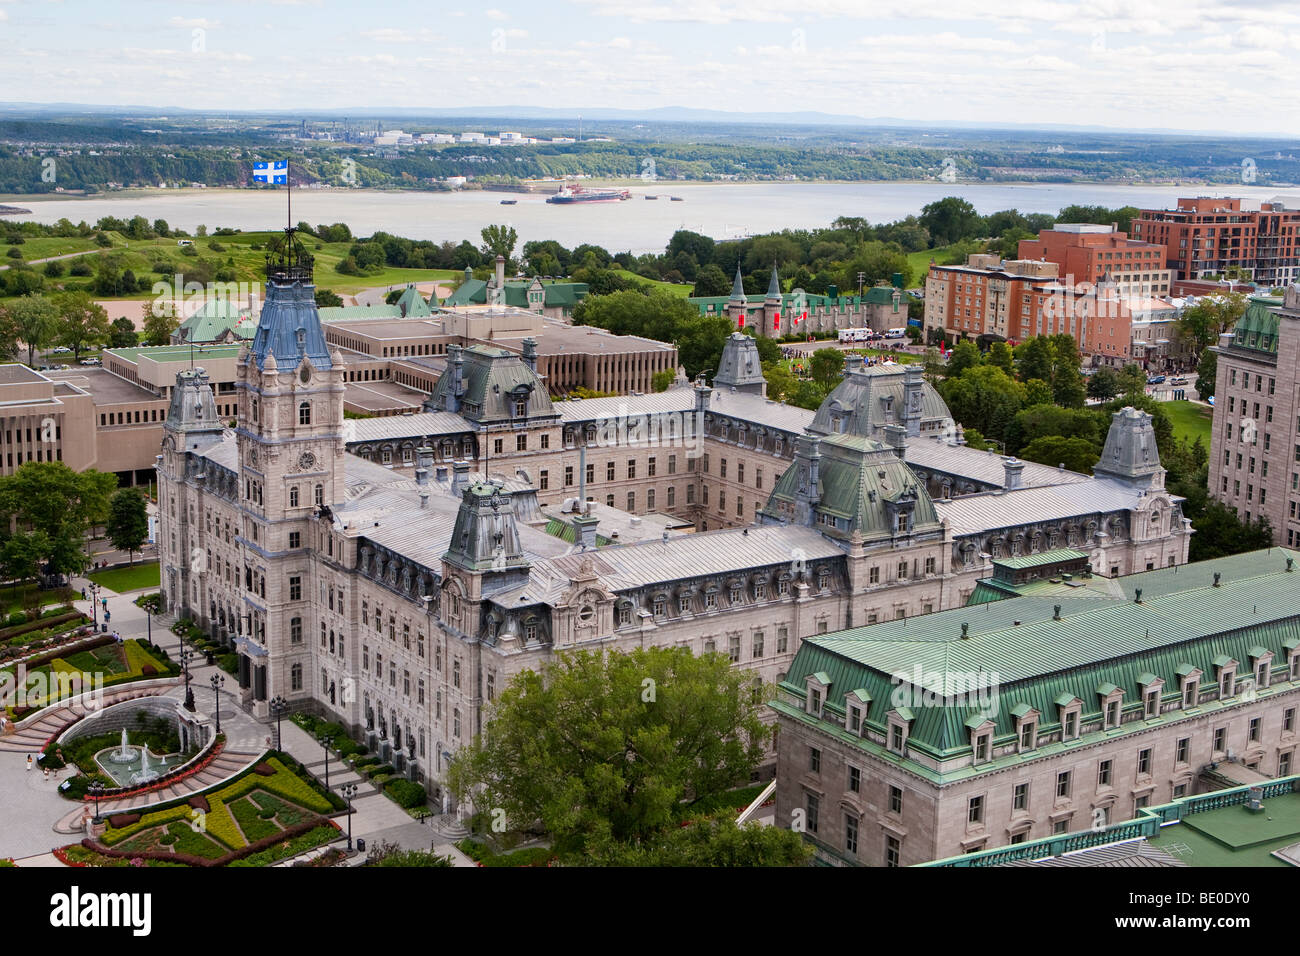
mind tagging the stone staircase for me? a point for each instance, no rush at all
(31, 735)
(223, 767)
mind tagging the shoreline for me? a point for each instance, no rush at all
(664, 187)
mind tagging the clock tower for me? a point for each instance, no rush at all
(290, 441)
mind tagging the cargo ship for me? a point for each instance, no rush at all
(576, 194)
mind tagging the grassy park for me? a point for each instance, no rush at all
(1191, 420)
(135, 578)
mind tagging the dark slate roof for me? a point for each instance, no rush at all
(290, 311)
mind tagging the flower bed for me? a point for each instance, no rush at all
(279, 846)
(197, 765)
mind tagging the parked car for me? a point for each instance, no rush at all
(1156, 380)
(60, 350)
(1178, 381)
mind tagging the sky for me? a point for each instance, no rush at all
(1129, 64)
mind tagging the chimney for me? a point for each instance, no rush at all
(501, 272)
(896, 438)
(440, 475)
(460, 482)
(530, 353)
(424, 460)
(1011, 472)
(456, 366)
(912, 399)
(853, 362)
(585, 527)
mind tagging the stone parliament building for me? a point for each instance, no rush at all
(394, 574)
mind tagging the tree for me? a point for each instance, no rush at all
(500, 241)
(985, 398)
(1037, 392)
(662, 379)
(33, 320)
(877, 263)
(158, 324)
(1131, 380)
(1220, 532)
(781, 384)
(122, 333)
(1201, 324)
(1207, 369)
(1000, 355)
(613, 747)
(82, 323)
(1076, 454)
(710, 843)
(386, 853)
(327, 298)
(1045, 421)
(128, 522)
(662, 316)
(59, 503)
(965, 354)
(1103, 384)
(711, 281)
(950, 219)
(827, 367)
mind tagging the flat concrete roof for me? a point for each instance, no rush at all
(176, 353)
(379, 396)
(18, 374)
(389, 329)
(555, 338)
(104, 387)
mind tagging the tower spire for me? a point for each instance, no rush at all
(774, 287)
(738, 287)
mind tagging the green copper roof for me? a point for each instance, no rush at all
(1038, 560)
(1015, 648)
(412, 305)
(493, 380)
(861, 482)
(337, 313)
(563, 295)
(1257, 328)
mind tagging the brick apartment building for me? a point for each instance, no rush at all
(1092, 253)
(1016, 300)
(1207, 236)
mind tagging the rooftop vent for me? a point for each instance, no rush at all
(965, 632)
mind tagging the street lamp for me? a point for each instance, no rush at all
(94, 604)
(96, 790)
(148, 620)
(186, 656)
(349, 790)
(216, 681)
(279, 707)
(325, 745)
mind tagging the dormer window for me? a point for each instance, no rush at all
(898, 723)
(1152, 691)
(1263, 662)
(1026, 726)
(624, 614)
(660, 606)
(1112, 699)
(818, 684)
(521, 408)
(855, 707)
(983, 747)
(1070, 708)
(760, 590)
(1227, 668)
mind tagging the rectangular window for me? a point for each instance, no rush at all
(521, 443)
(1104, 773)
(812, 805)
(1020, 797)
(1253, 734)
(631, 468)
(1220, 739)
(544, 480)
(855, 780)
(1063, 784)
(295, 539)
(568, 476)
(892, 851)
(975, 810)
(1182, 750)
(1144, 761)
(896, 800)
(609, 471)
(851, 834)
(295, 588)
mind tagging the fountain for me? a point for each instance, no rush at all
(123, 754)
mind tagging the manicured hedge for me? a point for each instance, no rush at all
(406, 794)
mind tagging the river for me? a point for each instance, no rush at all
(721, 210)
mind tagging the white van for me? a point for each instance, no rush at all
(896, 333)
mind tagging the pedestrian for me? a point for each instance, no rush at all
(46, 771)
(29, 761)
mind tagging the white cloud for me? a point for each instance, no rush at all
(200, 22)
(496, 15)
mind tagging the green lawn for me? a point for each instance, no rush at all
(679, 289)
(1191, 420)
(43, 247)
(143, 575)
(920, 262)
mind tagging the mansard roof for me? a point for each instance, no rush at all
(290, 328)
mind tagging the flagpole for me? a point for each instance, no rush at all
(288, 180)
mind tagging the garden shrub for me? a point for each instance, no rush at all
(250, 820)
(221, 825)
(17, 618)
(406, 793)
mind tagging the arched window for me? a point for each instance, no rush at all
(320, 495)
(293, 497)
(304, 413)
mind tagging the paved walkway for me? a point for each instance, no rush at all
(34, 818)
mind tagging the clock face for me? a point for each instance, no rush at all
(306, 461)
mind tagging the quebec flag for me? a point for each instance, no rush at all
(277, 173)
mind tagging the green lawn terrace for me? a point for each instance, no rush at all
(31, 686)
(135, 577)
(1255, 825)
(268, 813)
